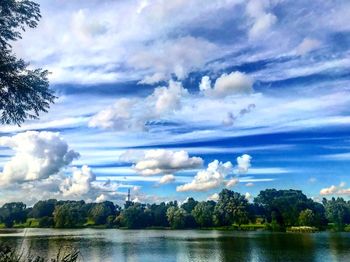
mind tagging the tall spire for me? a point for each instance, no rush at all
(129, 194)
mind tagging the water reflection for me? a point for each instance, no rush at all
(164, 246)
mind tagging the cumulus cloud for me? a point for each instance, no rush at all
(213, 177)
(307, 45)
(214, 197)
(235, 83)
(166, 179)
(335, 190)
(168, 99)
(243, 163)
(37, 156)
(79, 183)
(247, 196)
(205, 83)
(262, 20)
(161, 161)
(101, 198)
(117, 117)
(134, 114)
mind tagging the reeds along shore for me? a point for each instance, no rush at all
(10, 254)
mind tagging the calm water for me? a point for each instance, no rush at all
(191, 245)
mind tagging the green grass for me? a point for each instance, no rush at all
(31, 222)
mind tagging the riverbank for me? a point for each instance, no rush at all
(247, 227)
(34, 223)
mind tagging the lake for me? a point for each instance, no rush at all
(184, 245)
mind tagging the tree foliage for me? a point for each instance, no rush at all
(283, 207)
(24, 92)
(11, 213)
(274, 209)
(135, 216)
(70, 214)
(232, 207)
(101, 211)
(337, 212)
(43, 208)
(176, 217)
(203, 213)
(189, 205)
(307, 218)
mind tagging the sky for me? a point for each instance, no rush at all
(180, 98)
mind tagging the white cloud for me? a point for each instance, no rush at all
(213, 177)
(235, 83)
(262, 24)
(232, 182)
(79, 183)
(133, 114)
(37, 156)
(243, 163)
(250, 184)
(117, 117)
(166, 179)
(307, 45)
(328, 190)
(214, 197)
(101, 198)
(262, 20)
(335, 190)
(178, 56)
(205, 83)
(247, 196)
(161, 161)
(168, 99)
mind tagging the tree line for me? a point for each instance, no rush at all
(274, 209)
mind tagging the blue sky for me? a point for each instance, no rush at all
(183, 98)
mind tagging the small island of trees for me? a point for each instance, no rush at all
(275, 210)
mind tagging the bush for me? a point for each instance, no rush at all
(347, 228)
(302, 229)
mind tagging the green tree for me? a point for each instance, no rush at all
(158, 213)
(70, 214)
(135, 216)
(46, 222)
(283, 207)
(337, 212)
(11, 213)
(24, 92)
(101, 211)
(203, 213)
(307, 218)
(232, 207)
(43, 208)
(189, 205)
(176, 217)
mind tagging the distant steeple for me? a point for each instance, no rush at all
(129, 195)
